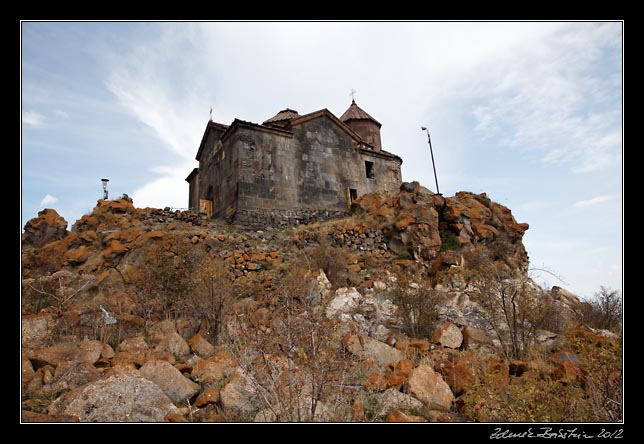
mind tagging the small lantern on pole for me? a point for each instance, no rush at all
(105, 188)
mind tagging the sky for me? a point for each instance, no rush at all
(530, 113)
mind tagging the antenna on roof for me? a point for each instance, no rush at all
(211, 113)
(352, 94)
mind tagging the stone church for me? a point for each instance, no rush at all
(292, 168)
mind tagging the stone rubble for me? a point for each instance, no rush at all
(160, 369)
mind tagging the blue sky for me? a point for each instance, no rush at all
(530, 113)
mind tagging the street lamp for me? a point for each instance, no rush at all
(429, 139)
(105, 188)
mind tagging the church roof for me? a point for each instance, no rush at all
(356, 113)
(283, 116)
(209, 127)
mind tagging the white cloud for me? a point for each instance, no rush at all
(60, 113)
(593, 201)
(535, 205)
(552, 98)
(260, 68)
(32, 118)
(169, 99)
(48, 200)
(169, 190)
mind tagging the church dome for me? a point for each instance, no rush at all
(282, 118)
(362, 123)
(356, 113)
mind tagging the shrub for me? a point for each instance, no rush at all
(500, 248)
(476, 257)
(595, 398)
(182, 281)
(418, 303)
(169, 274)
(533, 400)
(512, 308)
(449, 240)
(294, 360)
(604, 310)
(602, 358)
(332, 260)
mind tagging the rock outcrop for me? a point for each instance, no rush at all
(158, 315)
(49, 226)
(417, 222)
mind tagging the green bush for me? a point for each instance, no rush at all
(449, 241)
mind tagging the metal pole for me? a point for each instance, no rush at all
(431, 152)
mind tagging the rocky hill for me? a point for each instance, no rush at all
(416, 307)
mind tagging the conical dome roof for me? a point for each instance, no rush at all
(356, 113)
(282, 118)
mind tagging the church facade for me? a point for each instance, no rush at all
(292, 168)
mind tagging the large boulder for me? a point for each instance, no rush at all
(428, 386)
(115, 206)
(367, 312)
(459, 371)
(214, 369)
(169, 379)
(119, 398)
(68, 376)
(49, 226)
(240, 395)
(393, 399)
(449, 335)
(475, 338)
(166, 339)
(77, 256)
(28, 416)
(345, 301)
(85, 351)
(397, 416)
(133, 350)
(208, 396)
(365, 347)
(201, 346)
(27, 373)
(323, 285)
(38, 329)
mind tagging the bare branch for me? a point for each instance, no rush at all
(550, 272)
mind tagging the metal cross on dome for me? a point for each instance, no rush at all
(352, 94)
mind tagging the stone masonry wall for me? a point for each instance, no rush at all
(312, 171)
(270, 219)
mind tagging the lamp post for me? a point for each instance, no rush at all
(105, 188)
(431, 152)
